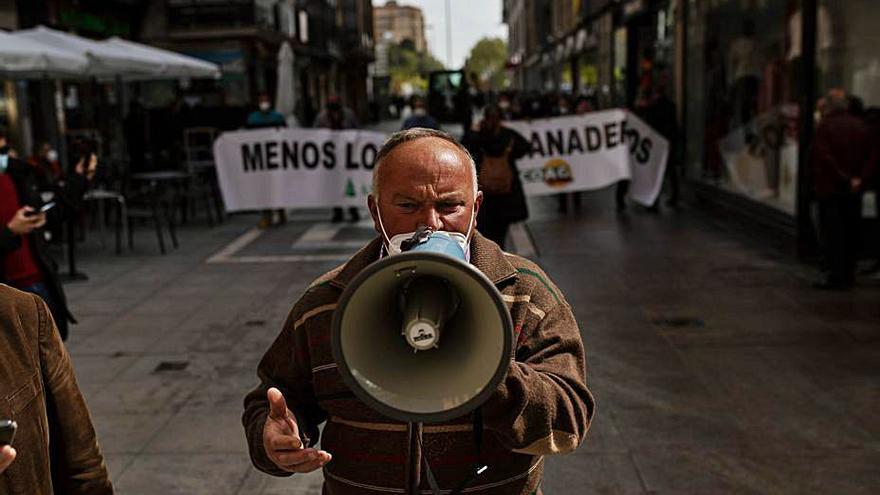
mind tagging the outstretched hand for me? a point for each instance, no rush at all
(282, 442)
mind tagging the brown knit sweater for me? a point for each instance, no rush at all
(543, 407)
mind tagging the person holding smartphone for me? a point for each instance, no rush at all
(54, 448)
(25, 262)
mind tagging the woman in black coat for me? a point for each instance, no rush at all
(492, 141)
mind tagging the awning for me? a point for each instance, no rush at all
(104, 60)
(21, 57)
(174, 65)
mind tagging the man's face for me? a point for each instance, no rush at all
(425, 182)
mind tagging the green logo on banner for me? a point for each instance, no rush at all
(349, 189)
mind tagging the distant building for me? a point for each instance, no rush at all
(397, 23)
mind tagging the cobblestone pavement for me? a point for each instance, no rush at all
(715, 366)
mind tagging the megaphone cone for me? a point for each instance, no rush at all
(422, 336)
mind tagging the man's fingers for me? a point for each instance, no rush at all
(293, 457)
(285, 442)
(316, 461)
(39, 220)
(277, 404)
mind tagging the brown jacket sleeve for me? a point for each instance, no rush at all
(286, 366)
(77, 463)
(543, 407)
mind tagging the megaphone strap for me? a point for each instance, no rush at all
(479, 468)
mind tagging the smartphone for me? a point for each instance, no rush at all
(43, 209)
(7, 431)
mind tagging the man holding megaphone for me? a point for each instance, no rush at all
(435, 360)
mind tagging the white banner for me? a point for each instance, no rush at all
(592, 151)
(319, 168)
(295, 168)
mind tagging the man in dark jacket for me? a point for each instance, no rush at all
(56, 450)
(499, 210)
(423, 178)
(842, 159)
(25, 262)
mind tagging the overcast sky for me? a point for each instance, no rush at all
(471, 20)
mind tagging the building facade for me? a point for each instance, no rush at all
(398, 23)
(746, 76)
(332, 41)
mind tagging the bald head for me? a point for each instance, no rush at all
(436, 142)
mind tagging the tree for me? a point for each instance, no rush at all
(487, 60)
(407, 66)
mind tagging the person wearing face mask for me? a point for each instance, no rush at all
(25, 262)
(261, 118)
(420, 116)
(45, 159)
(423, 179)
(265, 116)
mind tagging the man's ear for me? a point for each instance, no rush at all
(478, 200)
(373, 206)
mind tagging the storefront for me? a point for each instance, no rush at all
(753, 94)
(745, 73)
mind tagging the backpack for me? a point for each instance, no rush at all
(496, 176)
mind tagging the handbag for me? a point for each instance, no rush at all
(496, 176)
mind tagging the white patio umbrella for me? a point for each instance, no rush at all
(175, 65)
(23, 58)
(103, 60)
(285, 96)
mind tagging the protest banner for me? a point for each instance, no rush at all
(319, 168)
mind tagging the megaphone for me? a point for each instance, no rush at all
(422, 336)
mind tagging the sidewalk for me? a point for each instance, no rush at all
(716, 368)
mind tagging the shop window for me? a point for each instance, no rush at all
(744, 72)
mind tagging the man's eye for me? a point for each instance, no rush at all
(407, 206)
(448, 207)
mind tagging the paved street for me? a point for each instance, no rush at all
(716, 368)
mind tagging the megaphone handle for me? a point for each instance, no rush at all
(414, 467)
(479, 467)
(416, 448)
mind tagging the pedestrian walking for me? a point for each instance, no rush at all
(423, 178)
(496, 149)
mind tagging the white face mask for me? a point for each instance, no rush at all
(392, 245)
(52, 155)
(265, 106)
